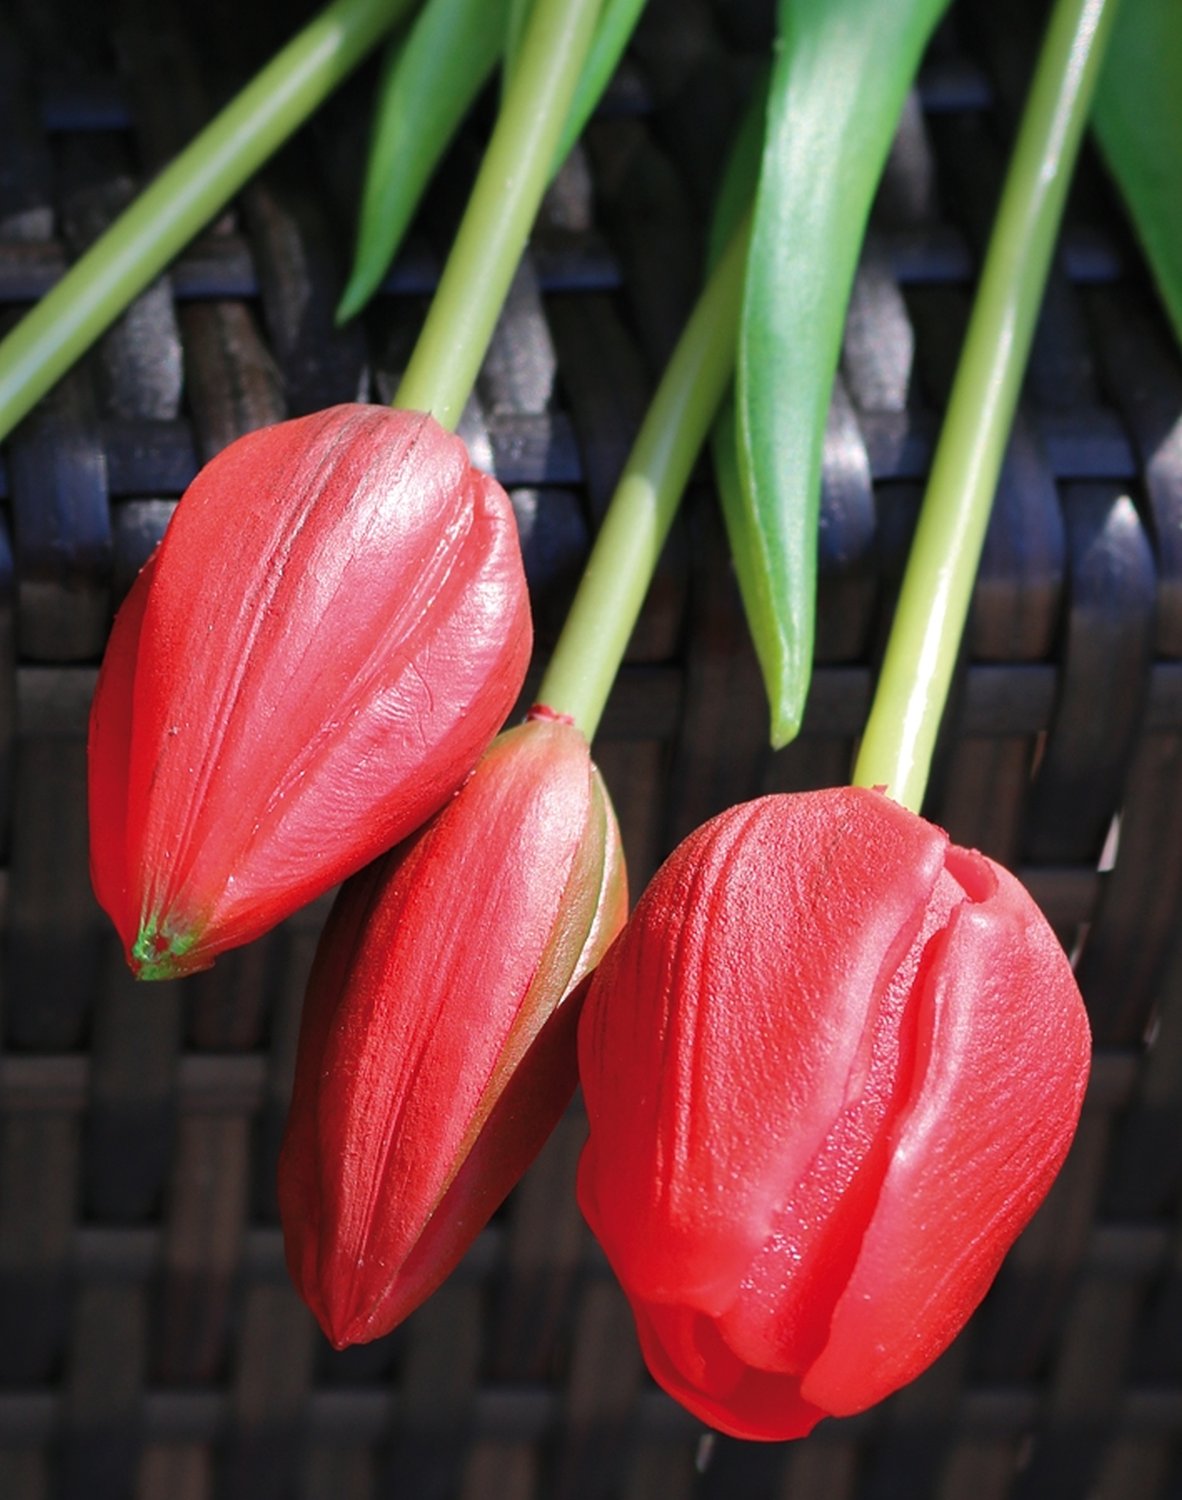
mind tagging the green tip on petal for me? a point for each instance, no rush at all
(159, 955)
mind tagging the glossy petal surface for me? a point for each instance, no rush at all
(831, 1068)
(741, 1054)
(438, 1045)
(332, 629)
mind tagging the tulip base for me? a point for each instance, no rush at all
(156, 955)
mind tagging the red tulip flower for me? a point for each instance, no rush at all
(437, 1047)
(333, 628)
(831, 1068)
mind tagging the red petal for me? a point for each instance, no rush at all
(425, 1046)
(108, 752)
(299, 1178)
(733, 1021)
(686, 1356)
(1001, 1073)
(781, 1316)
(338, 626)
(527, 1109)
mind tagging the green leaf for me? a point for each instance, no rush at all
(613, 30)
(740, 175)
(1137, 115)
(616, 25)
(515, 22)
(735, 197)
(429, 83)
(841, 74)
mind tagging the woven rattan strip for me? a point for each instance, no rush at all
(151, 1346)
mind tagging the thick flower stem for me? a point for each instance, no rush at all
(921, 653)
(500, 211)
(184, 198)
(610, 594)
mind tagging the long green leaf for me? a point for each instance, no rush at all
(617, 21)
(735, 197)
(518, 15)
(429, 82)
(1137, 115)
(841, 74)
(616, 25)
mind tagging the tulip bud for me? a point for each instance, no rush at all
(437, 1046)
(831, 1069)
(331, 631)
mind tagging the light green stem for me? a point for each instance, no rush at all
(921, 653)
(501, 210)
(611, 592)
(183, 199)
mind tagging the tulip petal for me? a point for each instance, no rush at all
(531, 1102)
(108, 751)
(336, 627)
(746, 1029)
(437, 1046)
(957, 1092)
(300, 1174)
(781, 1318)
(688, 1358)
(1004, 1049)
(413, 1044)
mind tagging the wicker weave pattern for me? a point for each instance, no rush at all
(151, 1346)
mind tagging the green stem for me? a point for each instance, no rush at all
(610, 594)
(501, 210)
(921, 653)
(183, 199)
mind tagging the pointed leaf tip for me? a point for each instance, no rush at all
(841, 72)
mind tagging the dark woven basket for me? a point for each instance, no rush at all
(151, 1346)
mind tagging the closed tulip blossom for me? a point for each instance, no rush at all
(332, 629)
(437, 1046)
(831, 1068)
